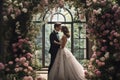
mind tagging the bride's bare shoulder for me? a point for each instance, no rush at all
(64, 36)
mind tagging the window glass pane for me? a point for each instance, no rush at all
(76, 43)
(76, 30)
(79, 53)
(82, 43)
(48, 29)
(60, 15)
(38, 53)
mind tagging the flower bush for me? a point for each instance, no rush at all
(19, 64)
(103, 28)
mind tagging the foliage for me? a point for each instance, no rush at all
(103, 28)
(18, 64)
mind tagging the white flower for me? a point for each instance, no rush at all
(102, 58)
(17, 23)
(16, 69)
(24, 10)
(94, 1)
(111, 68)
(94, 47)
(9, 1)
(13, 16)
(5, 18)
(107, 55)
(21, 4)
(15, 2)
(99, 10)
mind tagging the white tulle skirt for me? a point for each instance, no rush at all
(66, 67)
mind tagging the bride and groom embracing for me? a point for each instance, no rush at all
(63, 65)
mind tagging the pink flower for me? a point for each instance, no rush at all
(27, 78)
(110, 37)
(116, 34)
(30, 78)
(103, 41)
(19, 37)
(25, 64)
(116, 45)
(116, 16)
(94, 55)
(26, 4)
(118, 10)
(14, 50)
(100, 63)
(22, 59)
(17, 60)
(103, 48)
(14, 45)
(16, 69)
(98, 73)
(17, 12)
(25, 70)
(21, 41)
(103, 63)
(96, 12)
(20, 46)
(29, 55)
(103, 16)
(85, 72)
(108, 24)
(97, 61)
(61, 3)
(102, 27)
(108, 15)
(98, 53)
(115, 40)
(115, 7)
(17, 65)
(30, 68)
(23, 51)
(20, 68)
(45, 2)
(25, 40)
(7, 69)
(94, 1)
(10, 9)
(103, 2)
(10, 62)
(2, 66)
(105, 32)
(118, 22)
(39, 78)
(90, 66)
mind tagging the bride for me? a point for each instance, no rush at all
(65, 67)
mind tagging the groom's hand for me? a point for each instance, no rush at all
(56, 42)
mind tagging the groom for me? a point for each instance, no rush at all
(53, 46)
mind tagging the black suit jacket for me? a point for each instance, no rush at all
(53, 46)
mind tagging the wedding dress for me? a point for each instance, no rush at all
(66, 67)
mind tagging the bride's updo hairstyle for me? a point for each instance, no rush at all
(65, 30)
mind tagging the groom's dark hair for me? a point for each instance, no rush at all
(57, 25)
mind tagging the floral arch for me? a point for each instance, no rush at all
(103, 28)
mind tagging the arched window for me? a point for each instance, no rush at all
(77, 41)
